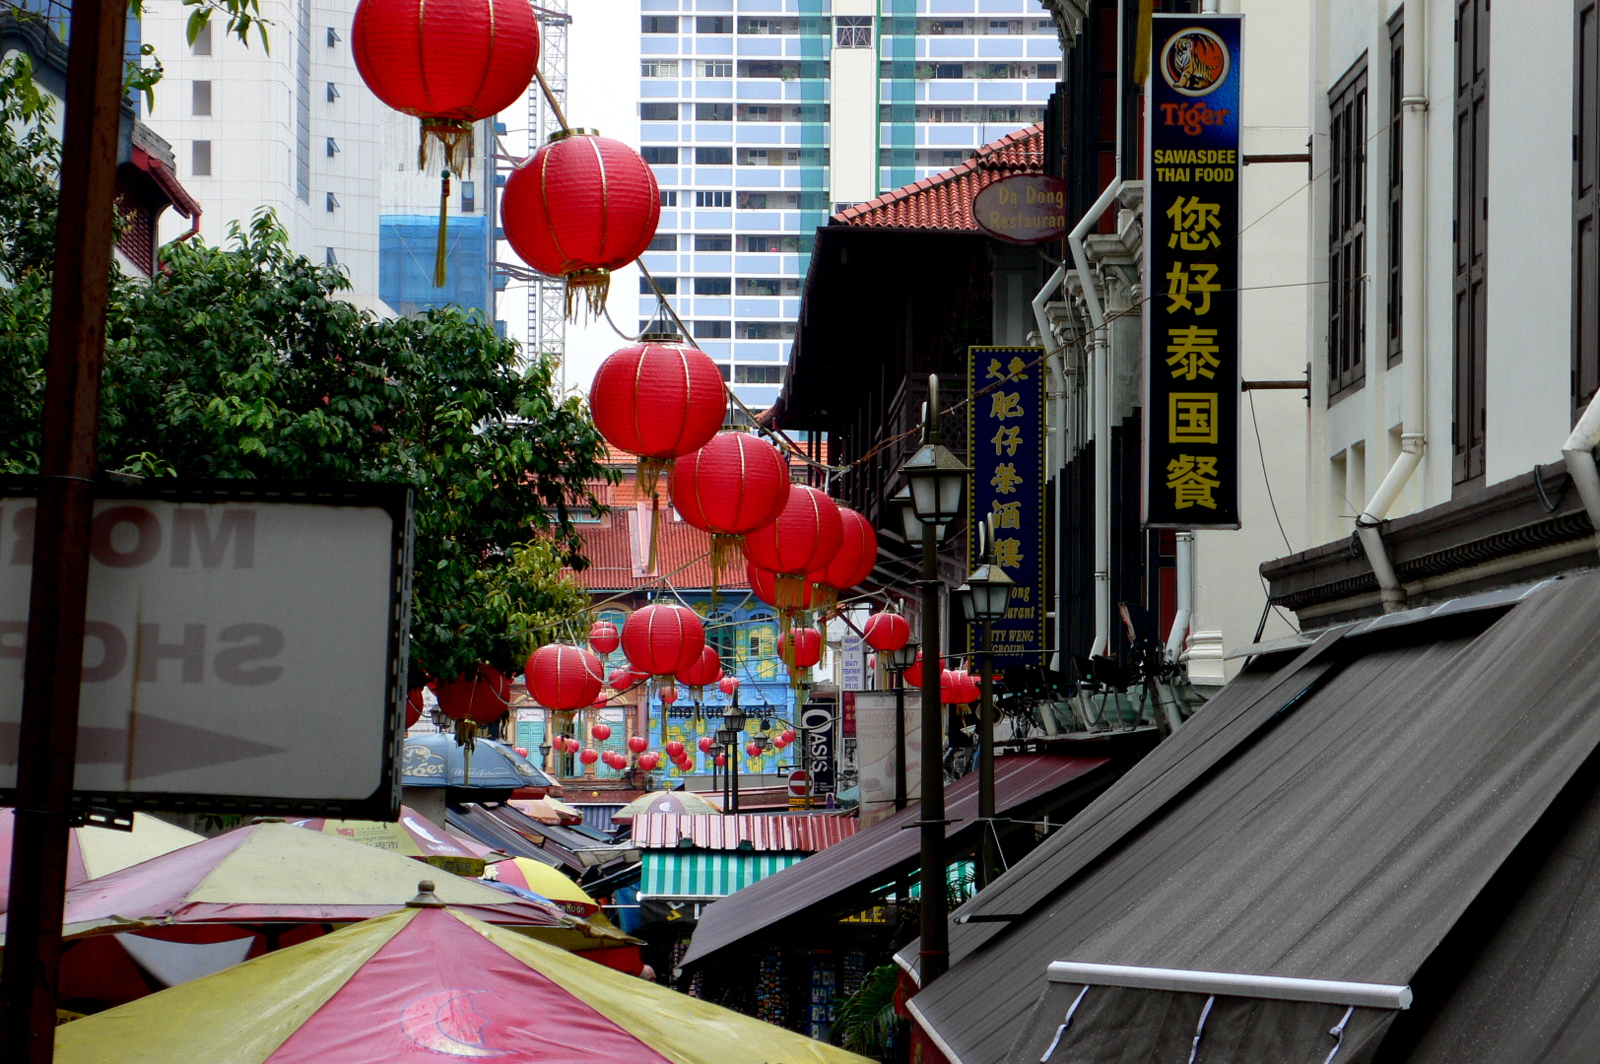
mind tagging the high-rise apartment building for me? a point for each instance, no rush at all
(763, 117)
(292, 128)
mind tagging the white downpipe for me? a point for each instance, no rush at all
(1057, 362)
(1100, 401)
(1185, 575)
(1413, 265)
(1579, 453)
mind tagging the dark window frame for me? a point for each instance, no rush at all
(1585, 205)
(1469, 332)
(1394, 308)
(1347, 231)
(647, 104)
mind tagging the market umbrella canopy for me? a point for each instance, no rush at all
(437, 761)
(413, 835)
(423, 985)
(548, 810)
(681, 802)
(94, 852)
(274, 873)
(547, 882)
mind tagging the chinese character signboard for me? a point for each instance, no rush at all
(1191, 409)
(1006, 442)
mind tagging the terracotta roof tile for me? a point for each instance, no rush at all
(618, 549)
(944, 201)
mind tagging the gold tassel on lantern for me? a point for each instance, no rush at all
(452, 140)
(595, 286)
(726, 551)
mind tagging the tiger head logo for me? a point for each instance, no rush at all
(1195, 61)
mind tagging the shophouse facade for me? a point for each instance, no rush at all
(1455, 313)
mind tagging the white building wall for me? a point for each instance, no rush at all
(1354, 440)
(253, 131)
(1228, 593)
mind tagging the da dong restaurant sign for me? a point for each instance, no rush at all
(245, 646)
(1023, 209)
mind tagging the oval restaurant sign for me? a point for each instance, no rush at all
(1023, 209)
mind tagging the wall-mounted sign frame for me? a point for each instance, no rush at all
(245, 650)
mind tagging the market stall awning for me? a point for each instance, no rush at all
(874, 857)
(426, 985)
(1412, 802)
(697, 874)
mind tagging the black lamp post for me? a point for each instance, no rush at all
(733, 719)
(938, 483)
(984, 599)
(897, 662)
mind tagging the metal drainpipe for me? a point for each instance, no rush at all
(1579, 453)
(1100, 387)
(1414, 431)
(1057, 361)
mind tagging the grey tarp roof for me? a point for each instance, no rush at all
(1334, 820)
(870, 857)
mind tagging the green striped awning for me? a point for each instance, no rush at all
(702, 874)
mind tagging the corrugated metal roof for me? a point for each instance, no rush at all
(874, 856)
(777, 833)
(944, 201)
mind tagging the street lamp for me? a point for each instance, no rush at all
(733, 719)
(897, 662)
(937, 482)
(987, 595)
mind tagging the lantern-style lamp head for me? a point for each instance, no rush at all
(902, 659)
(938, 483)
(733, 717)
(727, 736)
(986, 594)
(906, 518)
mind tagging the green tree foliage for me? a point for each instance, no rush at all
(244, 362)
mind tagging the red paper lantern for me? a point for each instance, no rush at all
(947, 686)
(970, 691)
(802, 539)
(582, 206)
(589, 757)
(604, 637)
(779, 743)
(728, 684)
(638, 744)
(789, 735)
(722, 760)
(857, 554)
(449, 64)
(564, 677)
(413, 707)
(522, 751)
(675, 749)
(663, 639)
(913, 676)
(800, 648)
(764, 586)
(623, 678)
(601, 732)
(482, 697)
(752, 749)
(706, 671)
(668, 695)
(732, 486)
(616, 761)
(648, 762)
(660, 400)
(886, 632)
(706, 743)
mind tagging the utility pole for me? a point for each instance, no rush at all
(58, 597)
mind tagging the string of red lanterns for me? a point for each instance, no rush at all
(734, 485)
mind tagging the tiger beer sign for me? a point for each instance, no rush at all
(1192, 373)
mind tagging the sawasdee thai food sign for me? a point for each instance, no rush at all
(1192, 371)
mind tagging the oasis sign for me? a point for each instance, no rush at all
(1023, 209)
(245, 646)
